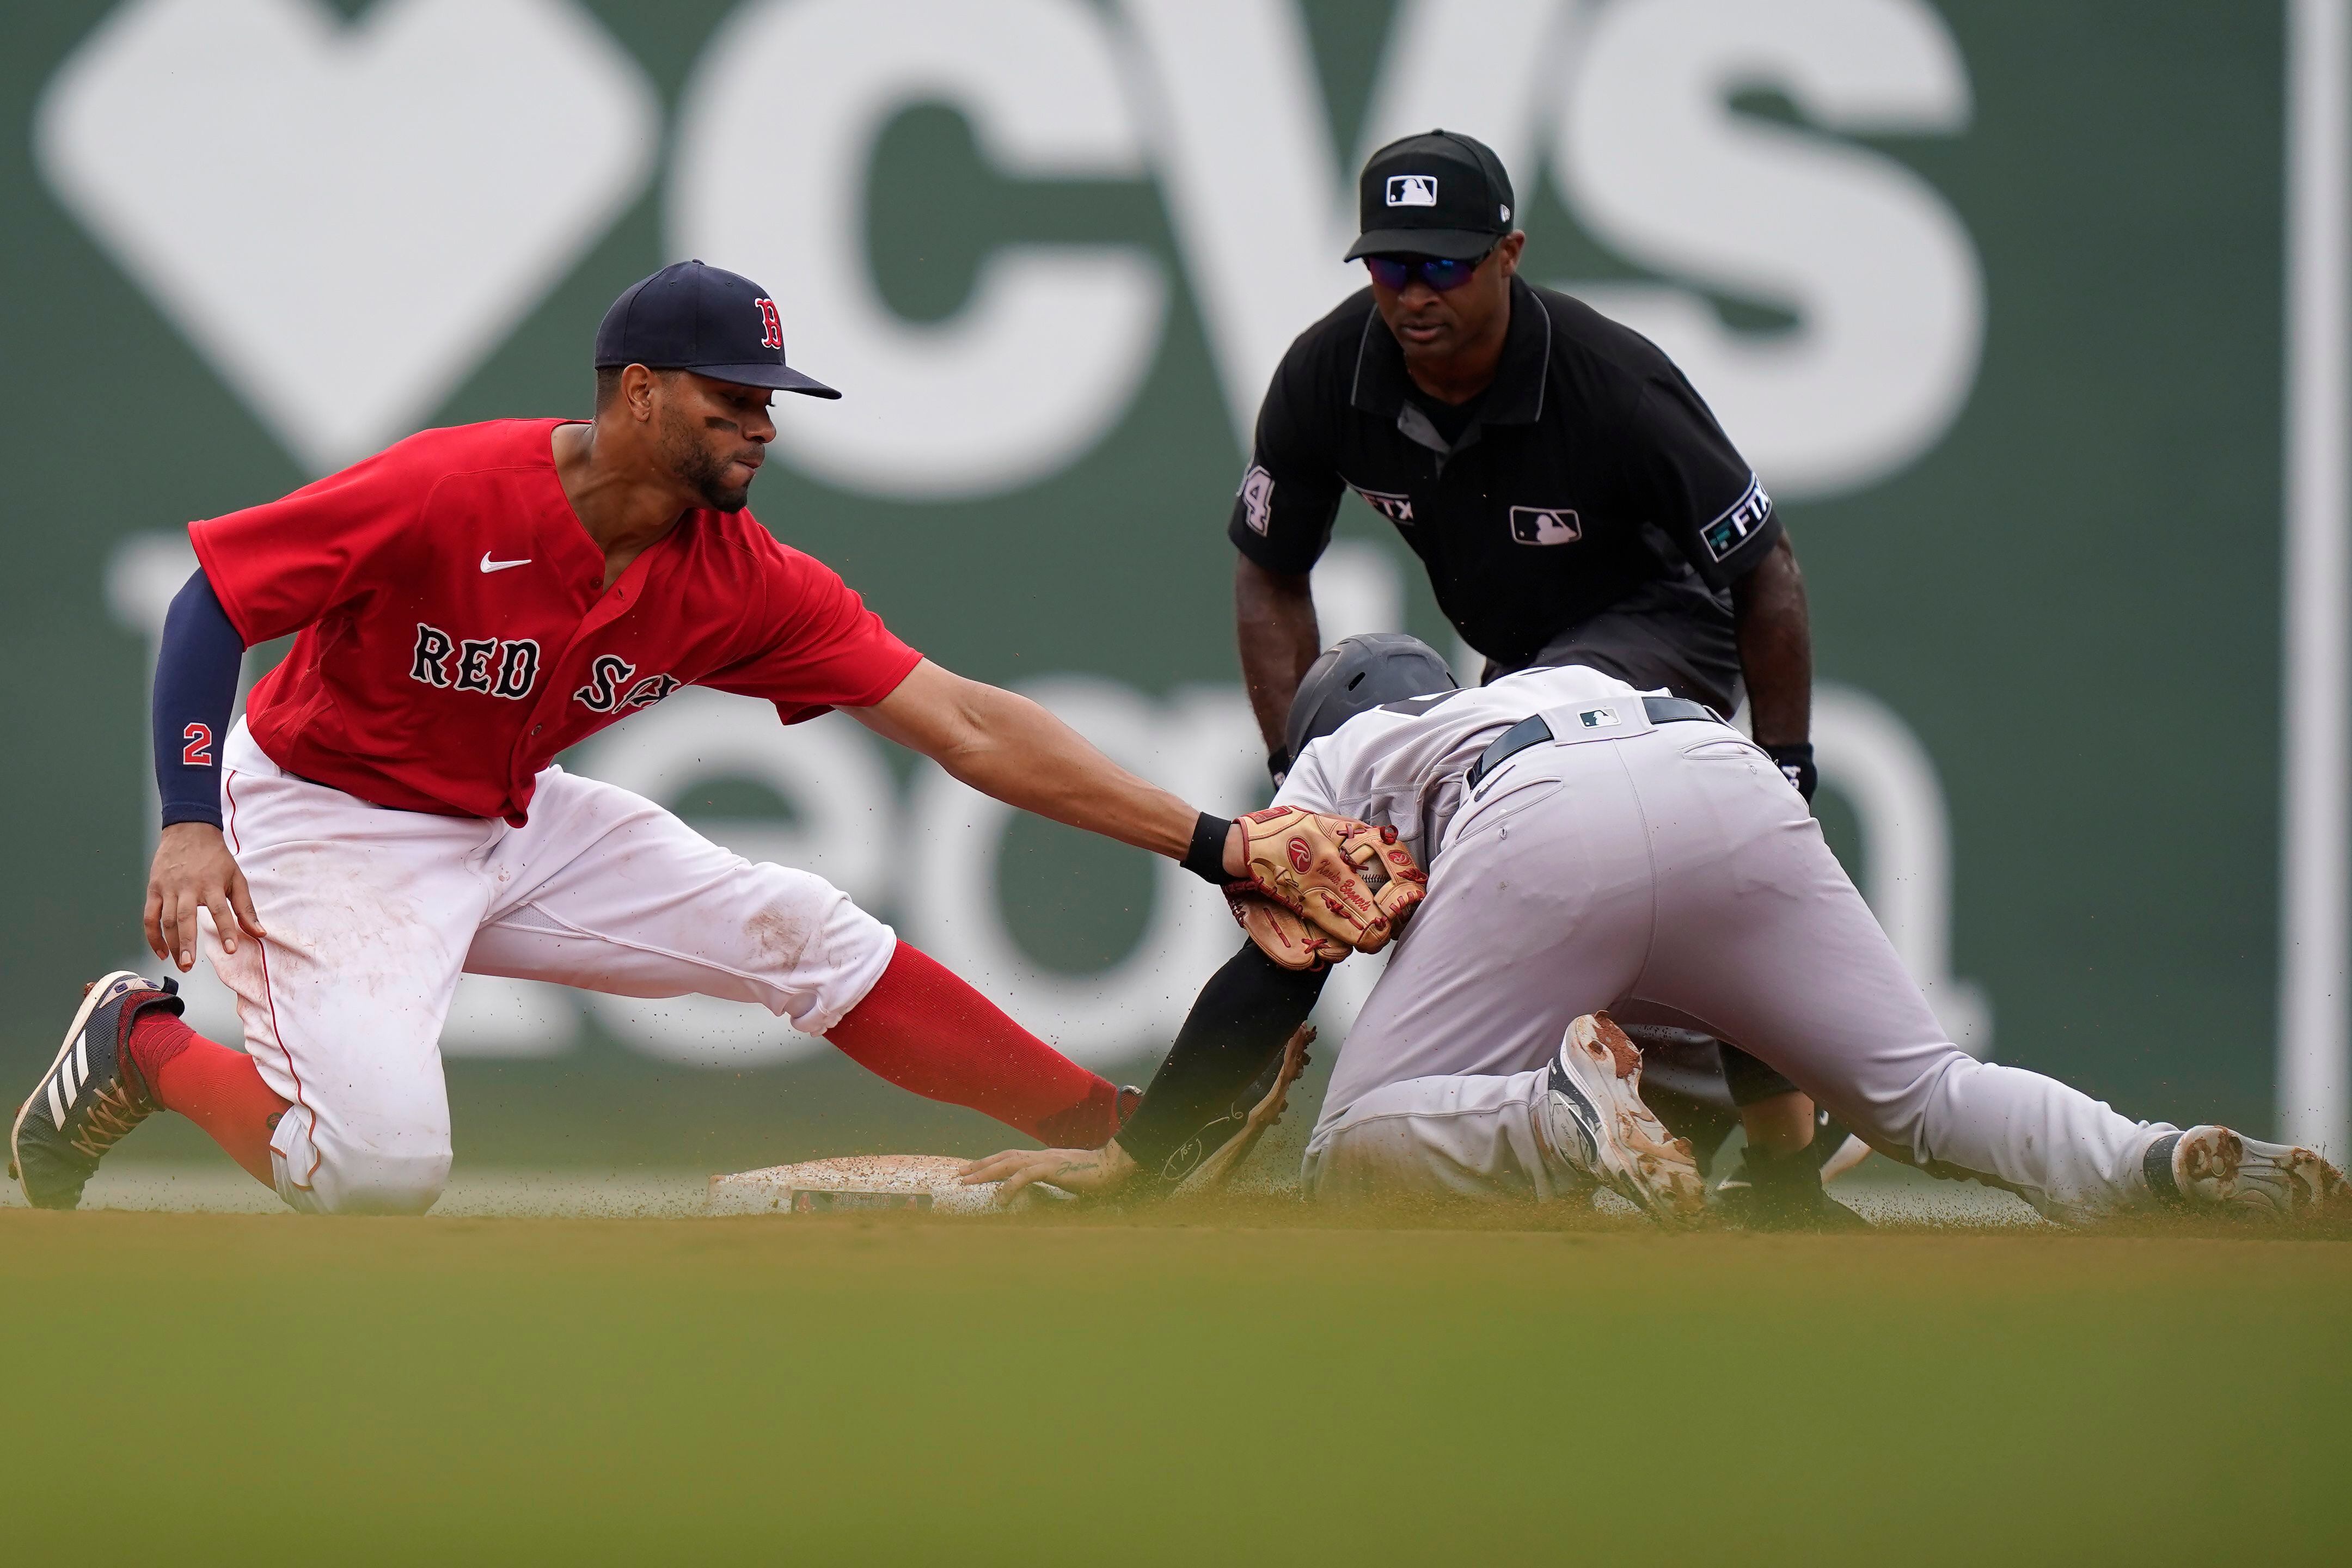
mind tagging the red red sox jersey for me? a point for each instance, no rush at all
(454, 633)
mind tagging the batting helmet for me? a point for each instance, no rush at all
(1358, 674)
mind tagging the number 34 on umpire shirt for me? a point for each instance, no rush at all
(1587, 469)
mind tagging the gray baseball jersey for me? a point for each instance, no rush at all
(1668, 872)
(1402, 765)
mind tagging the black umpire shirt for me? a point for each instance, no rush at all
(1588, 475)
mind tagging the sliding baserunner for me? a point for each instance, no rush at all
(388, 814)
(1592, 846)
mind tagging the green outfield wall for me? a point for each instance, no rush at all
(1991, 293)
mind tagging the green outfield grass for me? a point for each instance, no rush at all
(197, 1389)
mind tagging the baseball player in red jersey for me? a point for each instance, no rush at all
(389, 814)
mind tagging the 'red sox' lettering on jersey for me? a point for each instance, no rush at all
(611, 689)
(477, 664)
(420, 682)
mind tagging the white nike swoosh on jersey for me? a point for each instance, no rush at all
(491, 565)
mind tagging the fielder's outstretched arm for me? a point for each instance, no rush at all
(1004, 745)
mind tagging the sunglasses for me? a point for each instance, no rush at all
(1394, 272)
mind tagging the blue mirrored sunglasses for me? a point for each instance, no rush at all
(1393, 272)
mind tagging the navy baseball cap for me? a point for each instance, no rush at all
(1438, 193)
(714, 322)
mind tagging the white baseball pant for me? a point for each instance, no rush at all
(372, 914)
(1674, 877)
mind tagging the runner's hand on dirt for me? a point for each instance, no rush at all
(194, 870)
(1088, 1172)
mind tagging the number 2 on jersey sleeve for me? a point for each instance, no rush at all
(198, 752)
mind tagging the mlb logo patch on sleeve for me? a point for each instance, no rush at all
(1737, 526)
(1545, 525)
(1258, 497)
(1413, 190)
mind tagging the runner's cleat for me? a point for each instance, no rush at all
(1752, 1208)
(1594, 1118)
(2213, 1167)
(1784, 1193)
(91, 1095)
(1832, 1153)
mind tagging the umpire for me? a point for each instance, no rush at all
(1568, 492)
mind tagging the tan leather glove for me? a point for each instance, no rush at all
(1396, 865)
(1314, 865)
(1283, 936)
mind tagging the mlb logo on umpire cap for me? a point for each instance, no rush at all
(1439, 193)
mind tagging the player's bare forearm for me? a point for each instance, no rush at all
(194, 870)
(1274, 620)
(1004, 745)
(1776, 646)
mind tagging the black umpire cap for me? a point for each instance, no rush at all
(1438, 193)
(714, 322)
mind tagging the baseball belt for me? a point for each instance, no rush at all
(1533, 730)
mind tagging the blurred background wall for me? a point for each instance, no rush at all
(1991, 295)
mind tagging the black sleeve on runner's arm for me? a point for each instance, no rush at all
(1237, 1028)
(195, 689)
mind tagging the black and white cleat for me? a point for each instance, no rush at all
(1783, 1192)
(1594, 1117)
(2215, 1168)
(90, 1096)
(1762, 1193)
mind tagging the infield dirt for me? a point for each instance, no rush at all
(1237, 1387)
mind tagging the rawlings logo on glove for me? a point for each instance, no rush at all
(1309, 902)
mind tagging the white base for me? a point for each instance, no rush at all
(862, 1181)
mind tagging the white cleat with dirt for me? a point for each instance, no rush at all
(1594, 1118)
(2214, 1168)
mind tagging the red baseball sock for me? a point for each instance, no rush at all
(217, 1089)
(925, 1030)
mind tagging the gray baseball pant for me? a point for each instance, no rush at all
(1671, 876)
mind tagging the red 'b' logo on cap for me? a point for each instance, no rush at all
(771, 326)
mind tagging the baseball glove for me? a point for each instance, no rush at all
(1282, 936)
(1314, 867)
